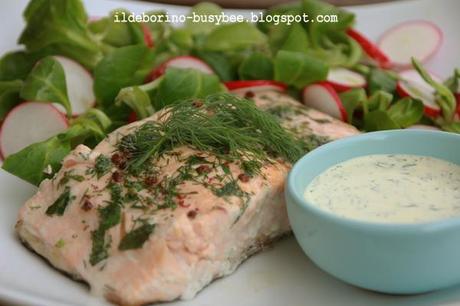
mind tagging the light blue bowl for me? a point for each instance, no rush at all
(390, 258)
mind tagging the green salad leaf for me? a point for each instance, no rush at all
(406, 112)
(444, 97)
(316, 8)
(298, 69)
(117, 34)
(284, 9)
(179, 84)
(47, 83)
(234, 36)
(159, 30)
(94, 123)
(379, 79)
(31, 162)
(453, 127)
(61, 26)
(9, 96)
(17, 65)
(121, 68)
(221, 63)
(202, 9)
(379, 112)
(343, 50)
(453, 83)
(352, 100)
(278, 32)
(182, 39)
(296, 39)
(379, 120)
(115, 53)
(328, 39)
(136, 99)
(379, 100)
(175, 85)
(256, 66)
(41, 160)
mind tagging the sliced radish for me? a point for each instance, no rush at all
(181, 62)
(343, 79)
(28, 123)
(420, 39)
(79, 84)
(423, 127)
(148, 39)
(371, 49)
(323, 97)
(247, 87)
(412, 85)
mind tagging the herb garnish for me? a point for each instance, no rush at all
(60, 243)
(109, 216)
(100, 246)
(229, 189)
(68, 176)
(224, 125)
(232, 188)
(59, 206)
(102, 165)
(136, 238)
(250, 167)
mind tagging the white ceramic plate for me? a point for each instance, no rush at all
(279, 276)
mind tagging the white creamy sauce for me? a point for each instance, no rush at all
(389, 189)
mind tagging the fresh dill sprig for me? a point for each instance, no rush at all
(223, 124)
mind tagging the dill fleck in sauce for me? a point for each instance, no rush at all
(389, 189)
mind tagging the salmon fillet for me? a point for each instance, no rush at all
(219, 217)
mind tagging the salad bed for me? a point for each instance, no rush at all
(85, 77)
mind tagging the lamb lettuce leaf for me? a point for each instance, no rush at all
(117, 34)
(444, 97)
(234, 36)
(298, 69)
(9, 96)
(175, 85)
(43, 159)
(256, 66)
(406, 112)
(123, 67)
(47, 83)
(61, 26)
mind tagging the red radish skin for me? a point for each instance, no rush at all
(30, 122)
(248, 86)
(371, 49)
(418, 38)
(323, 97)
(180, 62)
(457, 97)
(343, 79)
(79, 82)
(148, 39)
(132, 117)
(412, 85)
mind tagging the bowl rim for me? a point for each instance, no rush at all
(391, 228)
